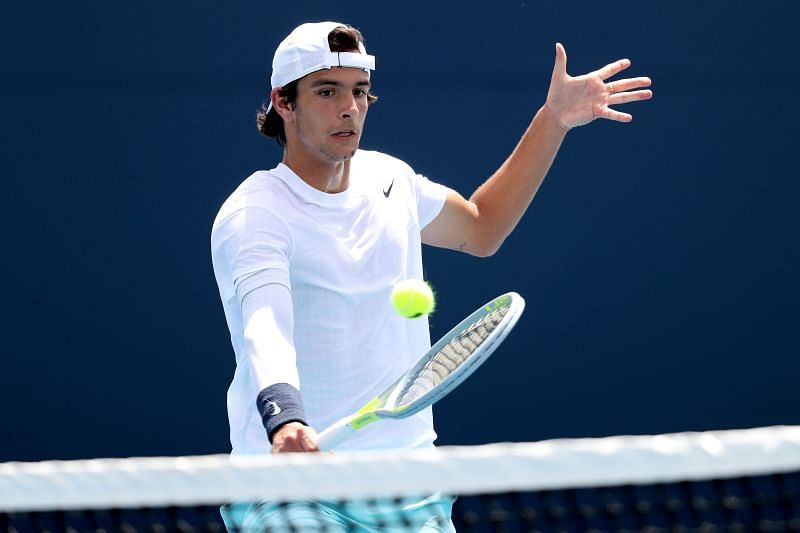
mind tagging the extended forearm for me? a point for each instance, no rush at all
(271, 360)
(504, 197)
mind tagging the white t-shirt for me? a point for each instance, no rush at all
(340, 255)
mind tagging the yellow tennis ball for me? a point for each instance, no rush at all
(413, 298)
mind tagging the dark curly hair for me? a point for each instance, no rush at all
(340, 39)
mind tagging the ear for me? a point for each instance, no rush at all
(281, 107)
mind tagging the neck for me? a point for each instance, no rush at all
(326, 176)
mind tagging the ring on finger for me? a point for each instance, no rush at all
(611, 88)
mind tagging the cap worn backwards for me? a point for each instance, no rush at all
(306, 50)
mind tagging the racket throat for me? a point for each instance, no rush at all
(343, 429)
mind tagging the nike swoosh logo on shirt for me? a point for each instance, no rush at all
(388, 191)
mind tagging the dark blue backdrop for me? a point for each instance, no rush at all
(659, 259)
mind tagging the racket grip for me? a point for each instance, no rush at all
(335, 434)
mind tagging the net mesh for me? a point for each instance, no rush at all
(452, 355)
(735, 481)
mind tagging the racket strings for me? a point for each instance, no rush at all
(451, 356)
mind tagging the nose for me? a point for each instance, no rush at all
(349, 107)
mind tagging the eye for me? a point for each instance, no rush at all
(325, 93)
(360, 93)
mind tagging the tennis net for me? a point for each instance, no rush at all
(739, 480)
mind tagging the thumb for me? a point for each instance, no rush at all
(308, 439)
(560, 66)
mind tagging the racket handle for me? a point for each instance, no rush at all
(335, 434)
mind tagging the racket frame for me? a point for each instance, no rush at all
(381, 407)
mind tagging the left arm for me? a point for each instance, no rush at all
(480, 225)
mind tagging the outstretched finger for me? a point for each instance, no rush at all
(611, 114)
(560, 66)
(631, 96)
(630, 83)
(613, 68)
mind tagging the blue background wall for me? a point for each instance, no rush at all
(659, 259)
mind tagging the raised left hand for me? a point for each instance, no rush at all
(576, 101)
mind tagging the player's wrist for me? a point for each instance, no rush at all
(551, 115)
(280, 404)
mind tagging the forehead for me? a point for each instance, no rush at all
(341, 75)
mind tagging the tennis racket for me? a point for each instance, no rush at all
(449, 362)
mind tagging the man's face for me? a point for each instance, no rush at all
(329, 113)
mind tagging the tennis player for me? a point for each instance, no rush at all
(306, 254)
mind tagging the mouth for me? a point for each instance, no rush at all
(344, 134)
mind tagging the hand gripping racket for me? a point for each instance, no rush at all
(449, 362)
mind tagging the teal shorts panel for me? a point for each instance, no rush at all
(423, 515)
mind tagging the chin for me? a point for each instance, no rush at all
(342, 155)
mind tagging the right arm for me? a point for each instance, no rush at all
(256, 244)
(268, 334)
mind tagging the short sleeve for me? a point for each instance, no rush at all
(430, 199)
(257, 249)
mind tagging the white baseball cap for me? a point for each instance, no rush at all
(306, 50)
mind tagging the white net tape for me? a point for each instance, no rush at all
(563, 463)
